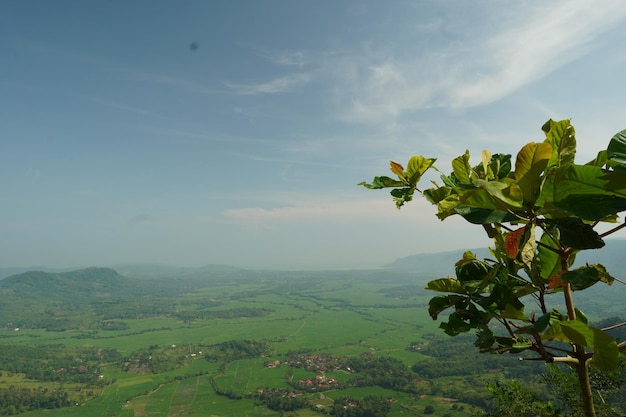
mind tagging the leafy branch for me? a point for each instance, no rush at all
(540, 211)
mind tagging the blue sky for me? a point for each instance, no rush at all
(235, 132)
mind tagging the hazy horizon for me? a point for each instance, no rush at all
(235, 132)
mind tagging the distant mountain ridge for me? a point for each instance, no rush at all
(426, 265)
(148, 271)
(140, 271)
(435, 263)
(442, 263)
(97, 284)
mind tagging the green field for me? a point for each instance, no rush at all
(171, 367)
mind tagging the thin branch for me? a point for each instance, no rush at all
(506, 325)
(620, 281)
(615, 229)
(567, 352)
(565, 359)
(542, 302)
(543, 245)
(541, 349)
(615, 326)
(555, 240)
(562, 359)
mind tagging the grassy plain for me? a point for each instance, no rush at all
(342, 314)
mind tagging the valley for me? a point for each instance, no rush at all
(230, 342)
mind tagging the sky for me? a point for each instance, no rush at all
(236, 132)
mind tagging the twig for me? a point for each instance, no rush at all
(615, 229)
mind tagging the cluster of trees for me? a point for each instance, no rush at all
(232, 313)
(240, 349)
(369, 406)
(277, 401)
(18, 400)
(156, 359)
(114, 325)
(140, 307)
(225, 392)
(56, 363)
(385, 372)
(451, 358)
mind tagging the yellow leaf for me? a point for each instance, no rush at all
(397, 169)
(486, 157)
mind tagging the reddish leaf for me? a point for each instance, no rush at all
(511, 242)
(555, 281)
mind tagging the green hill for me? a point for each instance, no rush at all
(76, 287)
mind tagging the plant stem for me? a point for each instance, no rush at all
(569, 301)
(582, 370)
(582, 367)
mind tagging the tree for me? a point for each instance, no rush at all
(510, 399)
(540, 211)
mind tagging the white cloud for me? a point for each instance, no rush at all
(277, 85)
(494, 59)
(550, 36)
(308, 209)
(261, 216)
(294, 58)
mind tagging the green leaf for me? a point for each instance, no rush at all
(461, 168)
(471, 270)
(586, 276)
(576, 234)
(495, 195)
(382, 182)
(503, 295)
(442, 302)
(455, 325)
(511, 312)
(513, 345)
(402, 195)
(555, 332)
(484, 339)
(447, 206)
(616, 152)
(417, 166)
(600, 160)
(538, 326)
(547, 258)
(561, 136)
(578, 332)
(446, 285)
(593, 208)
(483, 216)
(500, 165)
(525, 290)
(605, 351)
(435, 195)
(531, 161)
(588, 191)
